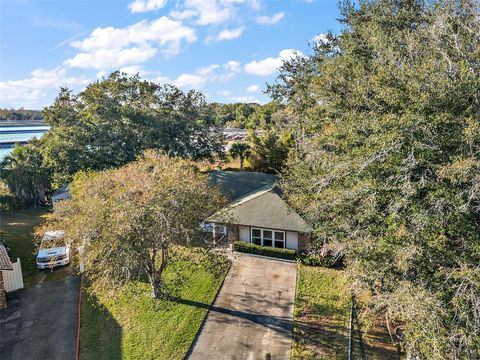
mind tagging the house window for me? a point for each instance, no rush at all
(279, 239)
(214, 228)
(257, 236)
(267, 237)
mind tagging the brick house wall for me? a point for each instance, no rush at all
(233, 233)
(3, 297)
(303, 241)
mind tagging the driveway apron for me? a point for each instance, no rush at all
(40, 322)
(252, 317)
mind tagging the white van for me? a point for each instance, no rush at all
(53, 250)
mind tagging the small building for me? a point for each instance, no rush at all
(60, 194)
(258, 213)
(5, 264)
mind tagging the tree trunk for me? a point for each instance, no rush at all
(156, 285)
(241, 162)
(155, 275)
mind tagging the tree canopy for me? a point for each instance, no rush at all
(24, 175)
(269, 151)
(387, 163)
(245, 115)
(127, 219)
(114, 120)
(242, 150)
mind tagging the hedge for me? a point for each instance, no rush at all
(245, 247)
(312, 260)
(326, 261)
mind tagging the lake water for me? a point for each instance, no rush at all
(9, 135)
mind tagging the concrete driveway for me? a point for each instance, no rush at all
(40, 322)
(252, 316)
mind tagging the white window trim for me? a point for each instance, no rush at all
(273, 236)
(214, 228)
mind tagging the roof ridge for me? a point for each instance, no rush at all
(252, 194)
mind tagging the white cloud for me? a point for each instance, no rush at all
(30, 91)
(227, 34)
(320, 38)
(182, 15)
(270, 65)
(198, 79)
(133, 69)
(139, 6)
(190, 81)
(270, 20)
(111, 58)
(245, 99)
(226, 77)
(162, 79)
(211, 12)
(109, 47)
(224, 92)
(253, 88)
(233, 66)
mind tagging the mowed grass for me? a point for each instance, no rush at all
(321, 319)
(16, 231)
(132, 325)
(321, 314)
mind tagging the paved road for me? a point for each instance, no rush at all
(252, 315)
(40, 322)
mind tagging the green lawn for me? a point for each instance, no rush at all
(132, 325)
(322, 311)
(16, 230)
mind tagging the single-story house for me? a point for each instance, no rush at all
(5, 264)
(257, 213)
(60, 194)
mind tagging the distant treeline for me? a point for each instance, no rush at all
(245, 115)
(20, 114)
(239, 115)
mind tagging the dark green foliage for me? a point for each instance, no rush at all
(240, 149)
(245, 116)
(269, 152)
(20, 114)
(24, 175)
(241, 246)
(316, 260)
(113, 121)
(387, 163)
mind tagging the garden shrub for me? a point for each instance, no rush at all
(244, 247)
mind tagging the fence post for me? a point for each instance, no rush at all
(20, 272)
(350, 336)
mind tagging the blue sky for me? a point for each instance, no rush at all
(228, 49)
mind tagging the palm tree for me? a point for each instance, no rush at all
(240, 149)
(25, 176)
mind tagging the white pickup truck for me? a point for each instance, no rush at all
(53, 250)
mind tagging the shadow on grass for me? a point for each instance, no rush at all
(325, 339)
(100, 333)
(276, 323)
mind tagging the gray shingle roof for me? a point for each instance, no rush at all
(236, 184)
(263, 208)
(62, 193)
(5, 263)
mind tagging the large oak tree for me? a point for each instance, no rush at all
(114, 120)
(126, 220)
(387, 119)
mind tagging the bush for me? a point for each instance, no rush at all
(313, 260)
(244, 247)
